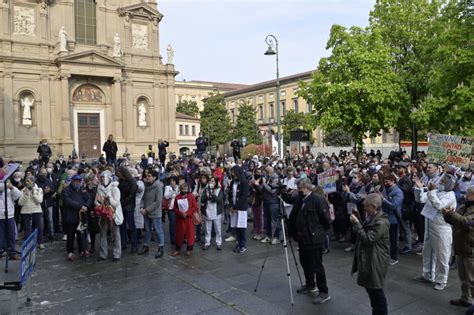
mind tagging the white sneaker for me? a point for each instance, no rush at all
(41, 246)
(88, 238)
(266, 240)
(275, 241)
(257, 237)
(440, 286)
(349, 249)
(65, 237)
(230, 239)
(393, 262)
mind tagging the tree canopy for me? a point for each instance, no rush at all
(355, 88)
(215, 121)
(246, 125)
(188, 107)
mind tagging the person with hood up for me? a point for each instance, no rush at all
(31, 212)
(238, 196)
(13, 194)
(151, 209)
(108, 193)
(185, 206)
(76, 201)
(438, 234)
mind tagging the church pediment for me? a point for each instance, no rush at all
(90, 58)
(141, 10)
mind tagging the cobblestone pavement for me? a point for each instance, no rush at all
(216, 282)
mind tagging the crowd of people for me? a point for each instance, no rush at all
(382, 208)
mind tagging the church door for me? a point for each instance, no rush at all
(89, 134)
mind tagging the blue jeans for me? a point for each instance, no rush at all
(172, 219)
(129, 220)
(271, 216)
(155, 222)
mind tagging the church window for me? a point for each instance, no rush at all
(85, 14)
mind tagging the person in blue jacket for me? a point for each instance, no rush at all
(392, 206)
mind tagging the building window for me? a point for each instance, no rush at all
(283, 93)
(232, 115)
(283, 108)
(186, 130)
(193, 130)
(260, 112)
(180, 130)
(85, 22)
(271, 110)
(270, 95)
(260, 97)
(295, 105)
(310, 108)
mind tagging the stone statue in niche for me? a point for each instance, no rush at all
(170, 51)
(141, 115)
(24, 21)
(117, 46)
(62, 37)
(27, 103)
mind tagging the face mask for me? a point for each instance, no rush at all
(301, 194)
(45, 143)
(75, 186)
(280, 165)
(17, 180)
(183, 193)
(49, 170)
(256, 176)
(211, 186)
(30, 186)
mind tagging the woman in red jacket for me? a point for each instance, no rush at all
(185, 206)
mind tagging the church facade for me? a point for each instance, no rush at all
(73, 72)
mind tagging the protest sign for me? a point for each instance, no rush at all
(455, 150)
(327, 180)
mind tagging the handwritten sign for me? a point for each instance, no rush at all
(327, 180)
(456, 150)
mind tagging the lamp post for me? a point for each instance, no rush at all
(272, 49)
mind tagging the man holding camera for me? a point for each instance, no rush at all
(308, 225)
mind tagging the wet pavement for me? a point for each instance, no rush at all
(216, 282)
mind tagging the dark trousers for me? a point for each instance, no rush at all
(394, 241)
(162, 158)
(419, 222)
(7, 241)
(378, 302)
(128, 221)
(111, 159)
(56, 213)
(311, 260)
(241, 234)
(172, 226)
(34, 220)
(236, 155)
(71, 231)
(271, 214)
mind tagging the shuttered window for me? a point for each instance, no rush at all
(85, 22)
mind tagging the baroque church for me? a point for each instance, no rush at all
(75, 71)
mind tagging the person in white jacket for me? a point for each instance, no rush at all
(108, 193)
(7, 240)
(438, 234)
(139, 221)
(171, 191)
(31, 211)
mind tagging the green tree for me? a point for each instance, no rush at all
(215, 121)
(356, 87)
(406, 27)
(246, 125)
(293, 121)
(449, 106)
(188, 107)
(338, 138)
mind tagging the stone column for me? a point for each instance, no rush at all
(46, 118)
(117, 108)
(102, 29)
(67, 111)
(42, 24)
(130, 123)
(9, 119)
(4, 19)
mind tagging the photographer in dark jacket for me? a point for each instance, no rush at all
(238, 197)
(162, 145)
(110, 148)
(308, 225)
(128, 191)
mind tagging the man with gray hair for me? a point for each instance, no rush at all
(462, 221)
(308, 224)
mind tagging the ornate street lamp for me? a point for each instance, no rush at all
(272, 49)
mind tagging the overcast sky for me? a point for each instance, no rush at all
(224, 40)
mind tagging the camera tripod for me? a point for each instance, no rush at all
(281, 218)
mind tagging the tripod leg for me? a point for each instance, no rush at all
(287, 260)
(296, 261)
(264, 261)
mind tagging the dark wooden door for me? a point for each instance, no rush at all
(89, 134)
